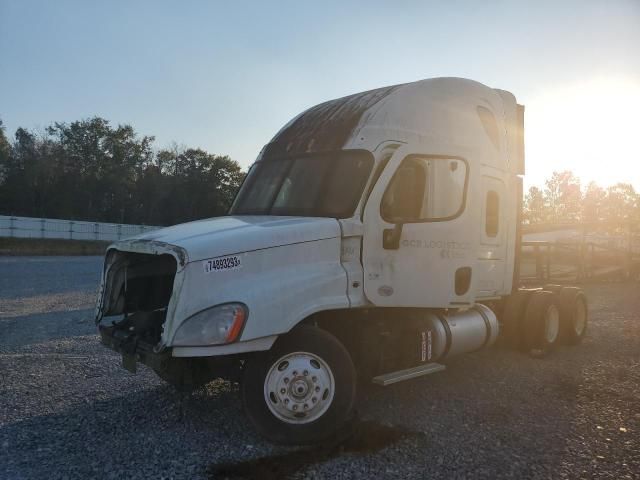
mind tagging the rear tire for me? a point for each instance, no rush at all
(573, 315)
(541, 323)
(301, 391)
(513, 317)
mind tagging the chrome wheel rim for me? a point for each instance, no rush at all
(551, 323)
(299, 388)
(579, 318)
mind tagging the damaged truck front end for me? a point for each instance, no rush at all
(136, 310)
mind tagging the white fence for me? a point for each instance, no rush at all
(28, 227)
(569, 235)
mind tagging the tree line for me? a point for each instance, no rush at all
(91, 170)
(564, 200)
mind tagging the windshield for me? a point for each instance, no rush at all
(322, 185)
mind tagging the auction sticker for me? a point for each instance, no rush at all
(222, 263)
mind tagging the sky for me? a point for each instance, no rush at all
(225, 76)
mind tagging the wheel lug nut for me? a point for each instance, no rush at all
(317, 389)
(314, 379)
(286, 401)
(286, 380)
(295, 374)
(305, 373)
(314, 399)
(282, 390)
(295, 407)
(306, 406)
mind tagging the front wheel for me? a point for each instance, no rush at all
(302, 390)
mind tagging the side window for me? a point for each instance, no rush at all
(425, 189)
(492, 209)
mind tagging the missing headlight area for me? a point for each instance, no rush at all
(137, 291)
(132, 312)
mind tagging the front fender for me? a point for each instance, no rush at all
(281, 286)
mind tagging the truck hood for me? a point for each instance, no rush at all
(216, 237)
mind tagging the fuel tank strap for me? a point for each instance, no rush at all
(487, 324)
(447, 330)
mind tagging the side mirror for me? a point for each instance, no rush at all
(391, 237)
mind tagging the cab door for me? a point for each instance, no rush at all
(418, 241)
(492, 250)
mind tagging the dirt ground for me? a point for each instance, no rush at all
(68, 409)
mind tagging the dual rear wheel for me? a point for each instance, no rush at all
(536, 320)
(573, 311)
(541, 323)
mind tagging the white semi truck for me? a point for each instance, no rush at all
(375, 236)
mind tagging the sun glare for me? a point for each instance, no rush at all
(591, 129)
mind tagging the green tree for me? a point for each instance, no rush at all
(5, 155)
(563, 197)
(98, 167)
(89, 170)
(25, 175)
(535, 208)
(622, 205)
(199, 184)
(593, 203)
(5, 151)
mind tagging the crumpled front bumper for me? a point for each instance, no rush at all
(133, 349)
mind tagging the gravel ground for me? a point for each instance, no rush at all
(68, 410)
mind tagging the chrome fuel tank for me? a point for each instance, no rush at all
(461, 332)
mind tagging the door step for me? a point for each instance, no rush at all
(408, 374)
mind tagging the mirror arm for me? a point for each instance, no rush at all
(391, 237)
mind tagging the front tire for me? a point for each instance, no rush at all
(301, 391)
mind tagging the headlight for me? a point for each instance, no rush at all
(213, 326)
